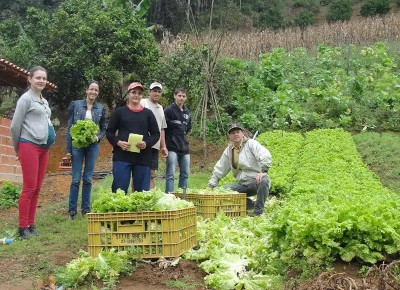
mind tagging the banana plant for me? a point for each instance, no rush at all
(141, 8)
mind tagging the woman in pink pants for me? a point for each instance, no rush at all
(32, 134)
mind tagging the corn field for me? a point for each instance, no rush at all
(249, 44)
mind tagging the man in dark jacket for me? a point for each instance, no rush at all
(179, 125)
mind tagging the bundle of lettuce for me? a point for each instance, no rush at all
(215, 190)
(83, 133)
(153, 200)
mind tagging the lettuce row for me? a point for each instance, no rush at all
(285, 150)
(337, 207)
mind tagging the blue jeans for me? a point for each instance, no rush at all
(260, 189)
(184, 168)
(88, 155)
(122, 172)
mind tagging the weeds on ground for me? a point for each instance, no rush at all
(9, 194)
(186, 283)
(379, 151)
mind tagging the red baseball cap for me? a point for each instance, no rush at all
(135, 85)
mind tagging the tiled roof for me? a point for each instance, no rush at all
(15, 76)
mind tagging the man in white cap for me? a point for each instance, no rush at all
(249, 162)
(155, 93)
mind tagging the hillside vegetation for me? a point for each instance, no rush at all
(183, 16)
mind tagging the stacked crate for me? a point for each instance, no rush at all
(149, 234)
(208, 205)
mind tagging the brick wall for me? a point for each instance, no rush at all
(10, 169)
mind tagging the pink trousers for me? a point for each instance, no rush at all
(33, 159)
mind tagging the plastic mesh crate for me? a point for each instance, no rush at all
(208, 205)
(151, 234)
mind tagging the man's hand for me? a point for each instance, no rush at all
(95, 138)
(259, 176)
(164, 152)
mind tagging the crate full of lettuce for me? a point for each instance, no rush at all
(150, 224)
(209, 202)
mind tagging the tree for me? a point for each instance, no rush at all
(16, 45)
(339, 10)
(374, 7)
(18, 8)
(101, 40)
(305, 18)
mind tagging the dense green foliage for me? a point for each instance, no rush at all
(83, 133)
(339, 10)
(9, 194)
(339, 87)
(106, 267)
(11, 8)
(187, 16)
(348, 87)
(375, 7)
(82, 40)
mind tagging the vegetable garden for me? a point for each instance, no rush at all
(332, 207)
(326, 206)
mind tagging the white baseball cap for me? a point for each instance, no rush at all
(155, 85)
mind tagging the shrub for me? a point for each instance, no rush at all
(339, 10)
(9, 194)
(309, 5)
(305, 18)
(271, 17)
(374, 7)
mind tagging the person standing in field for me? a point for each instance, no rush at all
(249, 162)
(86, 109)
(179, 125)
(132, 118)
(32, 135)
(155, 92)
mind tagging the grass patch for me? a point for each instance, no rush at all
(380, 152)
(187, 283)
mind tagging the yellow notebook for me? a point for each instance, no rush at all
(133, 140)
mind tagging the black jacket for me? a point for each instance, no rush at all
(179, 124)
(126, 121)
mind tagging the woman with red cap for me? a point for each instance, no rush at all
(132, 158)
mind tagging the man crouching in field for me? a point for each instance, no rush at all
(249, 162)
